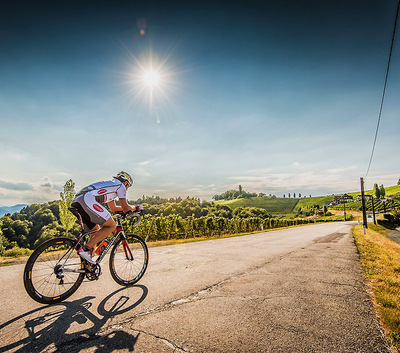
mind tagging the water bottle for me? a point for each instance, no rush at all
(101, 247)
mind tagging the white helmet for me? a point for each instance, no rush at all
(124, 176)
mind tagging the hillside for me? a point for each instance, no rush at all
(10, 209)
(291, 205)
(312, 201)
(391, 191)
(271, 205)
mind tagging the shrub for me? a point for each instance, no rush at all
(17, 252)
(388, 217)
(396, 216)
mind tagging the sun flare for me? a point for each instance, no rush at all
(151, 78)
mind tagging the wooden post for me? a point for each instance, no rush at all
(363, 205)
(344, 210)
(151, 226)
(373, 209)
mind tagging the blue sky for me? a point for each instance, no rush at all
(278, 96)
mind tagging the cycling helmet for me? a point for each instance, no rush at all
(124, 176)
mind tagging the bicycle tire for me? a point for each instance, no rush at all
(127, 271)
(40, 279)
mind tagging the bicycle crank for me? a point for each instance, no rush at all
(93, 271)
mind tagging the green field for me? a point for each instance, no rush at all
(379, 205)
(291, 205)
(277, 205)
(311, 201)
(271, 205)
(391, 191)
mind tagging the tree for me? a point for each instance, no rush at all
(398, 182)
(377, 191)
(1, 241)
(16, 230)
(66, 217)
(289, 195)
(240, 189)
(382, 191)
(294, 195)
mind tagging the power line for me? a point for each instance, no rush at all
(384, 89)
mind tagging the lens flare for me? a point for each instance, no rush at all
(151, 78)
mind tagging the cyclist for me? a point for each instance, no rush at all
(89, 202)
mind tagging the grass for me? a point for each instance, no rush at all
(275, 205)
(311, 201)
(390, 191)
(380, 259)
(280, 205)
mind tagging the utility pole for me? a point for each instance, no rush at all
(363, 205)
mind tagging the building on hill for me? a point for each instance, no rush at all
(342, 199)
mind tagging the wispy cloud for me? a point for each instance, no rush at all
(342, 170)
(143, 163)
(15, 185)
(307, 179)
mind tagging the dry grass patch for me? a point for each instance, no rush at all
(380, 259)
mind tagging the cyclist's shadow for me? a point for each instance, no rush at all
(59, 325)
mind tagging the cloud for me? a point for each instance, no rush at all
(308, 179)
(15, 185)
(14, 192)
(341, 170)
(144, 163)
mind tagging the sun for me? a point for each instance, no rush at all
(151, 78)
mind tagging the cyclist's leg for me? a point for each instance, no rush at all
(101, 217)
(106, 229)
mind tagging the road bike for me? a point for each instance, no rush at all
(54, 271)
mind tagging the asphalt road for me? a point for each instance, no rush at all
(291, 290)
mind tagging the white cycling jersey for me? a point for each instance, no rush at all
(88, 201)
(105, 191)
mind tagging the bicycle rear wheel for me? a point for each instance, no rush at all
(128, 260)
(54, 271)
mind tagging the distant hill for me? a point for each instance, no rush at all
(11, 209)
(271, 205)
(281, 205)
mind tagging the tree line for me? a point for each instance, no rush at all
(240, 193)
(170, 217)
(37, 223)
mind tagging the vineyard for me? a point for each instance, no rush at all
(379, 205)
(156, 228)
(271, 205)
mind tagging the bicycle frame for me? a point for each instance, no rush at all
(119, 231)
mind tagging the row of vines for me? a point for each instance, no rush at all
(379, 205)
(155, 228)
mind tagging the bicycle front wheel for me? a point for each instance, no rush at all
(54, 271)
(128, 260)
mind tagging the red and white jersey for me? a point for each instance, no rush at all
(105, 191)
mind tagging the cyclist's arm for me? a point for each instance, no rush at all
(124, 206)
(113, 207)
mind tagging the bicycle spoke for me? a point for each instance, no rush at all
(44, 277)
(128, 260)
